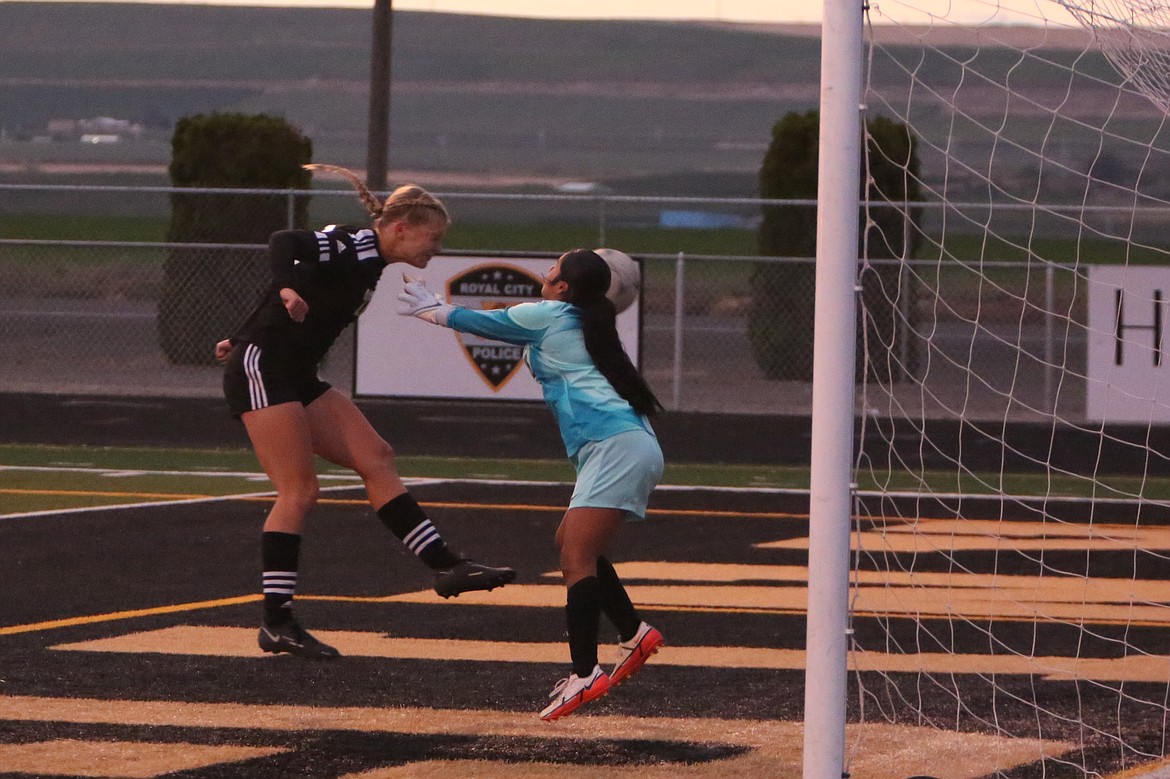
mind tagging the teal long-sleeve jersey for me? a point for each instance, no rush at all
(586, 406)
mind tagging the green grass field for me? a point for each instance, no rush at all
(46, 478)
(42, 478)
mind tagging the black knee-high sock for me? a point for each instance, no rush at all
(583, 611)
(409, 523)
(280, 554)
(615, 602)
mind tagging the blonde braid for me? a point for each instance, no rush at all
(372, 204)
(409, 202)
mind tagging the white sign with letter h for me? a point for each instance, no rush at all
(1128, 372)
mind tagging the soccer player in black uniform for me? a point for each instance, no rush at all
(321, 282)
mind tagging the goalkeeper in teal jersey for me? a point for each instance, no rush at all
(601, 404)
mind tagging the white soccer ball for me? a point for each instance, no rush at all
(625, 278)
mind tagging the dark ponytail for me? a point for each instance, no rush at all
(588, 278)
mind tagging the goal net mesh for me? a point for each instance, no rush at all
(1011, 556)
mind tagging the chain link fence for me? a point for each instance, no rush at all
(96, 300)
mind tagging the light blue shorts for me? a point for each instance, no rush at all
(618, 472)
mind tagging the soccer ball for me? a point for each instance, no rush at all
(625, 278)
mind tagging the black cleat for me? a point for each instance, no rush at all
(468, 575)
(292, 638)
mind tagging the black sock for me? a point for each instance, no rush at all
(615, 602)
(409, 523)
(583, 610)
(280, 554)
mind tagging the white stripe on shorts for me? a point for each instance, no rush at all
(258, 396)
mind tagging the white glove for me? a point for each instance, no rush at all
(418, 301)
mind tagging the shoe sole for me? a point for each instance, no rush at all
(274, 648)
(635, 664)
(577, 703)
(295, 653)
(485, 584)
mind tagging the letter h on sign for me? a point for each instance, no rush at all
(1121, 327)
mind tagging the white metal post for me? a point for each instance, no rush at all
(680, 301)
(834, 352)
(1049, 336)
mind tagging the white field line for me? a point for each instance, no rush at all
(250, 475)
(414, 481)
(120, 506)
(419, 481)
(117, 473)
(153, 503)
(124, 473)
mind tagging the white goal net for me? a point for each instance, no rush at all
(1011, 565)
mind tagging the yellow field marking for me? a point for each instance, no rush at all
(916, 594)
(118, 615)
(1076, 589)
(107, 494)
(1146, 771)
(123, 759)
(241, 642)
(900, 534)
(434, 504)
(948, 594)
(925, 536)
(1024, 604)
(877, 751)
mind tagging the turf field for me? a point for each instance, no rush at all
(128, 616)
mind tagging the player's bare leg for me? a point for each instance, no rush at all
(343, 435)
(282, 441)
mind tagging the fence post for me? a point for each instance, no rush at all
(601, 221)
(1049, 355)
(679, 316)
(292, 210)
(904, 301)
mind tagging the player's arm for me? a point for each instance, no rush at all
(288, 247)
(497, 324)
(285, 249)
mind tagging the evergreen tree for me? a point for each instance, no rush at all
(207, 292)
(780, 321)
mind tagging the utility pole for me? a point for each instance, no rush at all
(378, 141)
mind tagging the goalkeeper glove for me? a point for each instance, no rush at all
(418, 301)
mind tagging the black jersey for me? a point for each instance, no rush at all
(335, 270)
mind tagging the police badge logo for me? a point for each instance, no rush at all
(488, 287)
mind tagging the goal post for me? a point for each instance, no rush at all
(838, 203)
(989, 535)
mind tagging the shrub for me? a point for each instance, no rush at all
(780, 320)
(207, 292)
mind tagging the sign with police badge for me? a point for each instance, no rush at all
(490, 287)
(402, 357)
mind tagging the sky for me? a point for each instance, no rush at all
(739, 11)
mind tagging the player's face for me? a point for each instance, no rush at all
(553, 288)
(414, 244)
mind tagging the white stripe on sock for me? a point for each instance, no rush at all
(280, 582)
(421, 537)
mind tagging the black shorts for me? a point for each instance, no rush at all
(257, 378)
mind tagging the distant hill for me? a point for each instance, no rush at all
(126, 40)
(471, 95)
